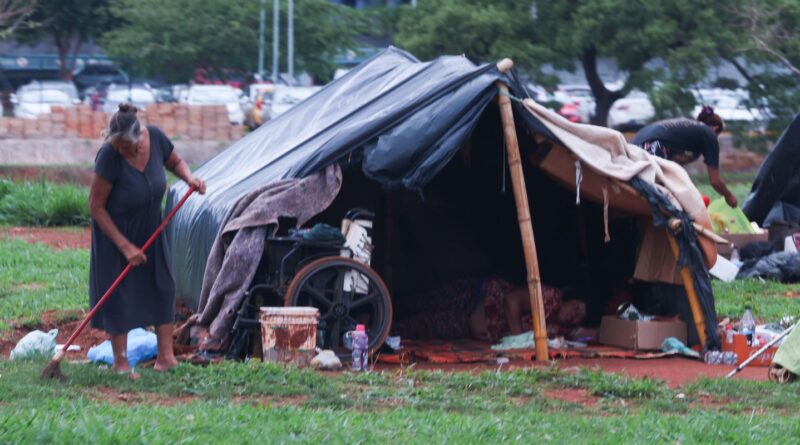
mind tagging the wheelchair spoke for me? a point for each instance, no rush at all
(372, 297)
(317, 295)
(335, 334)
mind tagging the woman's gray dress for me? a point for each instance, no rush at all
(147, 295)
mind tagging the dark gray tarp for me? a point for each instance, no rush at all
(409, 117)
(778, 181)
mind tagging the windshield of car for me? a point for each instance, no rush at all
(45, 96)
(130, 95)
(212, 96)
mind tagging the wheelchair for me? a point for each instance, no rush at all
(329, 275)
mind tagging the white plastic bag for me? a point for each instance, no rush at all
(36, 343)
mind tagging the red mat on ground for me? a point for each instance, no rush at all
(473, 351)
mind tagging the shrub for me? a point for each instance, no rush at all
(42, 203)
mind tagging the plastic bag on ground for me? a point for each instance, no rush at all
(35, 343)
(725, 219)
(780, 266)
(142, 345)
(327, 360)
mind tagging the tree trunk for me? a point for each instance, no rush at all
(63, 44)
(604, 98)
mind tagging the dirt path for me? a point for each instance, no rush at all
(55, 237)
(675, 371)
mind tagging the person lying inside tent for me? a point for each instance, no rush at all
(684, 140)
(485, 309)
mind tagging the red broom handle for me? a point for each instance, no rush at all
(127, 269)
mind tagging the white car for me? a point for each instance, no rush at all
(37, 98)
(730, 105)
(284, 98)
(633, 109)
(138, 95)
(218, 95)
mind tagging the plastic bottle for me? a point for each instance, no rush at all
(360, 348)
(735, 258)
(729, 334)
(713, 357)
(748, 325)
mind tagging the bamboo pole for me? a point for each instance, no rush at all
(524, 217)
(688, 284)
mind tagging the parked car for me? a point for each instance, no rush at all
(633, 109)
(584, 99)
(141, 96)
(218, 95)
(566, 106)
(38, 97)
(284, 98)
(98, 74)
(730, 105)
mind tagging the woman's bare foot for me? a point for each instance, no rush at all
(165, 364)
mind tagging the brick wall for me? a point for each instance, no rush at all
(178, 121)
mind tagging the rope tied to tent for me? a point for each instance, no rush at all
(578, 181)
(510, 96)
(605, 213)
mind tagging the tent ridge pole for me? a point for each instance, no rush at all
(523, 216)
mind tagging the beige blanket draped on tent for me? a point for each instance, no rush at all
(606, 151)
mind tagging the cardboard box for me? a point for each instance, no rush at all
(739, 240)
(637, 335)
(743, 351)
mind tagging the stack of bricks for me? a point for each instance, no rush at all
(178, 121)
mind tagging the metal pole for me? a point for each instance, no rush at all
(276, 23)
(290, 39)
(261, 29)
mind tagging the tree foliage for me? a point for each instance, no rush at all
(69, 23)
(171, 39)
(14, 14)
(670, 41)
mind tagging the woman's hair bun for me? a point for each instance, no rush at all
(127, 108)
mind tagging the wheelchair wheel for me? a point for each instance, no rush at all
(346, 293)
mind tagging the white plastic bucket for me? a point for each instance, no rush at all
(289, 334)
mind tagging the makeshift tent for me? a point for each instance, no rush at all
(775, 195)
(450, 156)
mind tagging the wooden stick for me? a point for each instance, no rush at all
(691, 293)
(524, 217)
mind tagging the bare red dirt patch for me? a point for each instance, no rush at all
(55, 237)
(572, 395)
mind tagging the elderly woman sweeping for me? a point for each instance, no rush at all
(125, 204)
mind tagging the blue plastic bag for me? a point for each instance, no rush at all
(142, 345)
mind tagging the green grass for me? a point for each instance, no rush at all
(267, 403)
(769, 300)
(739, 184)
(255, 402)
(35, 278)
(43, 203)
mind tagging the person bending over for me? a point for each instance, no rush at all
(684, 140)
